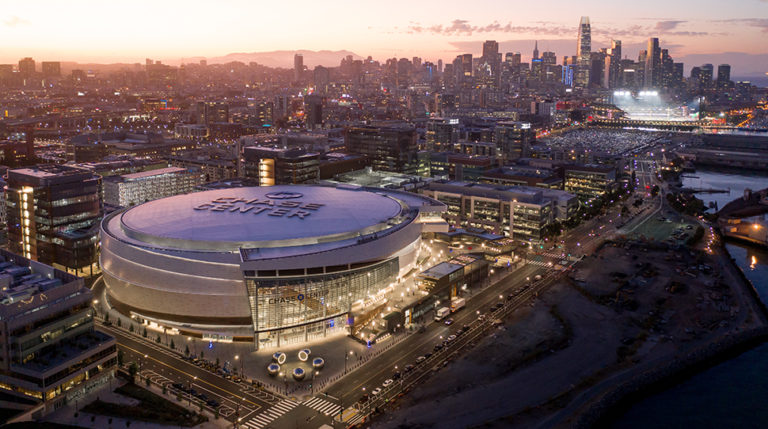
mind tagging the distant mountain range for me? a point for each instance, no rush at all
(282, 59)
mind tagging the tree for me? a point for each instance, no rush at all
(186, 350)
(217, 362)
(131, 328)
(147, 381)
(144, 334)
(157, 340)
(173, 346)
(165, 389)
(119, 322)
(106, 317)
(120, 358)
(202, 355)
(216, 414)
(178, 396)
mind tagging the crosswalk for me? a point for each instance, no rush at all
(554, 255)
(356, 418)
(273, 413)
(324, 406)
(540, 263)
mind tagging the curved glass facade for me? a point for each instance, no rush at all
(292, 309)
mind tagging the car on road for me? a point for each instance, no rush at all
(448, 321)
(213, 403)
(364, 398)
(481, 317)
(499, 305)
(178, 386)
(408, 368)
(427, 355)
(451, 338)
(387, 382)
(537, 277)
(420, 359)
(510, 297)
(376, 391)
(438, 347)
(397, 375)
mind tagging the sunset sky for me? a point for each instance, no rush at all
(112, 31)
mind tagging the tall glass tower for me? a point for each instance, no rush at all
(583, 50)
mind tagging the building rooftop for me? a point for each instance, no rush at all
(150, 173)
(441, 270)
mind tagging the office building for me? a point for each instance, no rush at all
(280, 165)
(53, 216)
(135, 188)
(211, 111)
(390, 147)
(589, 181)
(653, 64)
(298, 67)
(442, 134)
(723, 76)
(513, 139)
(583, 53)
(50, 351)
(26, 67)
(513, 211)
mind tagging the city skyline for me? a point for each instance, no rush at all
(423, 30)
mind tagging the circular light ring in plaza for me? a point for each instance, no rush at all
(279, 357)
(273, 265)
(318, 363)
(273, 369)
(298, 374)
(304, 355)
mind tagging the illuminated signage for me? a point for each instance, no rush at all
(299, 297)
(284, 206)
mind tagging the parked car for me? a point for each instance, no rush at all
(387, 382)
(376, 391)
(420, 359)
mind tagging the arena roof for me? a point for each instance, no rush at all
(266, 215)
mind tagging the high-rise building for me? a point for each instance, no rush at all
(313, 110)
(51, 68)
(212, 111)
(653, 64)
(26, 67)
(536, 50)
(613, 65)
(49, 349)
(442, 134)
(705, 76)
(583, 52)
(723, 76)
(281, 165)
(388, 147)
(298, 67)
(53, 215)
(667, 70)
(513, 139)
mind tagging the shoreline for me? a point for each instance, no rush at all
(606, 409)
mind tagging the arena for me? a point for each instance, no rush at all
(273, 265)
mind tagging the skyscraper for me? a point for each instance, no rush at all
(723, 76)
(583, 51)
(613, 65)
(653, 64)
(536, 50)
(298, 67)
